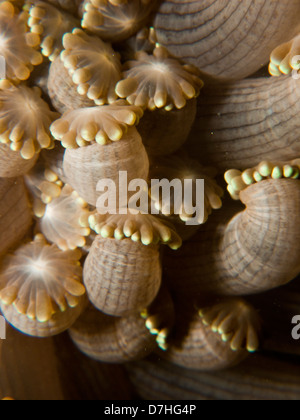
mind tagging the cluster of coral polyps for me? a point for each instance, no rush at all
(98, 87)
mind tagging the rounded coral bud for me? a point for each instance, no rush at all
(40, 288)
(158, 81)
(49, 25)
(83, 56)
(122, 277)
(25, 119)
(116, 20)
(16, 44)
(65, 220)
(86, 166)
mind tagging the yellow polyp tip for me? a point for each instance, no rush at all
(107, 232)
(149, 324)
(175, 245)
(5, 84)
(27, 154)
(163, 346)
(231, 174)
(81, 76)
(251, 350)
(247, 177)
(238, 184)
(277, 173)
(234, 194)
(118, 235)
(273, 70)
(144, 314)
(160, 339)
(116, 135)
(285, 69)
(265, 169)
(160, 99)
(136, 237)
(146, 241)
(288, 171)
(131, 118)
(224, 338)
(166, 237)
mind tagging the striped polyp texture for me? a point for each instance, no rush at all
(241, 124)
(226, 39)
(257, 250)
(261, 377)
(15, 213)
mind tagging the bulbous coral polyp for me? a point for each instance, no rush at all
(84, 56)
(49, 25)
(122, 277)
(116, 20)
(24, 120)
(16, 44)
(99, 162)
(41, 281)
(158, 81)
(65, 220)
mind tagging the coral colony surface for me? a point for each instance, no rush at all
(125, 92)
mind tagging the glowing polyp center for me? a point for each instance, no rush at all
(38, 266)
(161, 67)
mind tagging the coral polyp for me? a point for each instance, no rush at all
(24, 120)
(185, 171)
(39, 281)
(116, 20)
(65, 220)
(236, 321)
(238, 181)
(16, 44)
(99, 124)
(139, 227)
(285, 58)
(83, 56)
(49, 25)
(158, 81)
